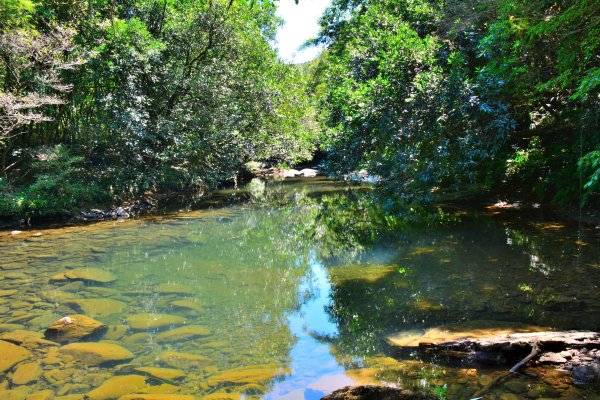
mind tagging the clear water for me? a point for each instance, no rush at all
(297, 283)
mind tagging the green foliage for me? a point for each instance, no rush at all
(60, 186)
(404, 103)
(162, 95)
(437, 96)
(589, 167)
(441, 391)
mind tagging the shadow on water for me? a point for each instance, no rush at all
(293, 292)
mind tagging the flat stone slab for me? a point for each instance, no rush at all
(11, 355)
(96, 307)
(187, 305)
(165, 374)
(26, 373)
(97, 353)
(183, 333)
(250, 374)
(118, 386)
(184, 360)
(475, 330)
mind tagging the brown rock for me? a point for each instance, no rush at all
(75, 327)
(97, 353)
(552, 358)
(376, 393)
(11, 355)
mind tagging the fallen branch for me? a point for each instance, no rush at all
(535, 350)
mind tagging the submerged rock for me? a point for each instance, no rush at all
(75, 327)
(173, 288)
(11, 355)
(27, 339)
(26, 373)
(95, 275)
(97, 307)
(185, 332)
(222, 396)
(41, 395)
(251, 374)
(165, 374)
(376, 393)
(157, 396)
(97, 353)
(115, 332)
(118, 386)
(149, 321)
(183, 360)
(187, 305)
(588, 373)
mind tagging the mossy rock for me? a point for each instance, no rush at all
(149, 321)
(11, 355)
(250, 374)
(94, 275)
(97, 353)
(75, 327)
(184, 360)
(182, 333)
(118, 386)
(165, 374)
(96, 307)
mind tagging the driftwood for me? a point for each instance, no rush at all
(482, 348)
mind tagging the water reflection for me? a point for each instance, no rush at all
(298, 290)
(310, 357)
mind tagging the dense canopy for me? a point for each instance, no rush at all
(103, 102)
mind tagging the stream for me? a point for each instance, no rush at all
(289, 292)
